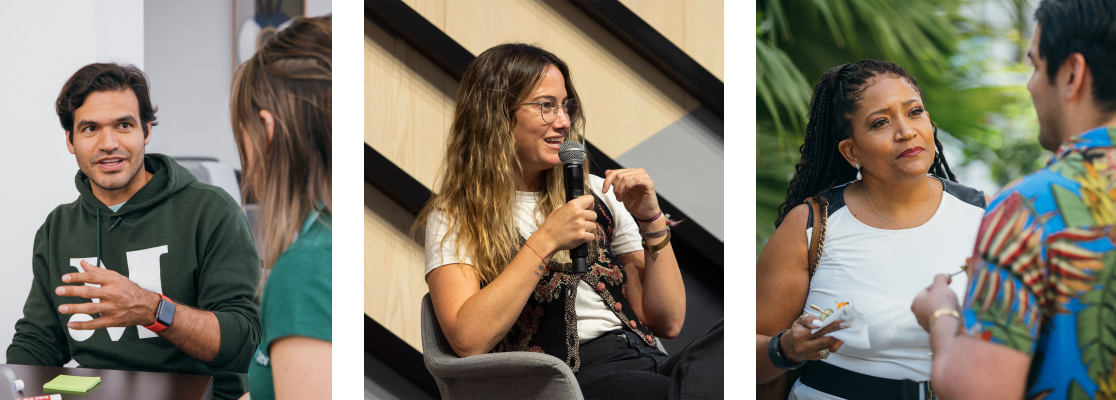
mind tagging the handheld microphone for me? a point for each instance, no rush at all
(572, 155)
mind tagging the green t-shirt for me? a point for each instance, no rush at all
(297, 299)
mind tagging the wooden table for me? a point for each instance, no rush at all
(118, 384)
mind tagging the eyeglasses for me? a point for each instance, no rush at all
(549, 111)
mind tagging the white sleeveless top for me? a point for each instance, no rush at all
(880, 271)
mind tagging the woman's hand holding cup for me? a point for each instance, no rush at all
(799, 344)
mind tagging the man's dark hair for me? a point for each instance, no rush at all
(1081, 26)
(101, 77)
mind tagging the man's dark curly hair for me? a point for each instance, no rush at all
(100, 77)
(835, 98)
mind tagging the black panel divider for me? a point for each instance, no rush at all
(397, 354)
(400, 19)
(394, 182)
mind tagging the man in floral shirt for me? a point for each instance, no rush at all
(1039, 318)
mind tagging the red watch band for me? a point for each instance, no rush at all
(157, 327)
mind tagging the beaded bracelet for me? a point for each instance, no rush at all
(656, 234)
(652, 218)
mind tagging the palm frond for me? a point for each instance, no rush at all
(773, 172)
(782, 88)
(965, 113)
(839, 21)
(907, 32)
(778, 20)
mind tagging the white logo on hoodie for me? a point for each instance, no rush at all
(144, 270)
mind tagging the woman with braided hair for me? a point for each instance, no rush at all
(890, 215)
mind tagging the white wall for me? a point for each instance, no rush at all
(189, 58)
(42, 44)
(189, 54)
(317, 8)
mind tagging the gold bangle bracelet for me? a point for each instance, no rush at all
(941, 312)
(654, 250)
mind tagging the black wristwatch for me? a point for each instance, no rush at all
(164, 315)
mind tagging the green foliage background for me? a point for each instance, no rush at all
(978, 99)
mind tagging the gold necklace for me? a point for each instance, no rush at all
(889, 219)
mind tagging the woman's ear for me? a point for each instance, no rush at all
(848, 149)
(269, 123)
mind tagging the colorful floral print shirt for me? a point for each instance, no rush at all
(1044, 271)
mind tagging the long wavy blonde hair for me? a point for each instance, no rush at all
(290, 76)
(475, 188)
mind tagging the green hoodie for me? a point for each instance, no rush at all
(176, 236)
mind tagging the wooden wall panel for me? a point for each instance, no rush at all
(408, 104)
(433, 10)
(626, 99)
(394, 279)
(667, 17)
(705, 34)
(695, 26)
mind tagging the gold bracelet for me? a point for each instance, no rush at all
(941, 312)
(658, 246)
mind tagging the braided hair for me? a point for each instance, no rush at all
(835, 98)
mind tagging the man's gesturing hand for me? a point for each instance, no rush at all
(122, 302)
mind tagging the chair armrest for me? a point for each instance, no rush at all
(490, 365)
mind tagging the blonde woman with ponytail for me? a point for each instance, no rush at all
(282, 119)
(498, 231)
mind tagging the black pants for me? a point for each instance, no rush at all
(618, 365)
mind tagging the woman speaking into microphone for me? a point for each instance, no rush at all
(499, 231)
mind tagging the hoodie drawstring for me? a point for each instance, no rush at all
(98, 234)
(98, 238)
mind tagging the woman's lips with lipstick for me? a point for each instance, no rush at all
(911, 152)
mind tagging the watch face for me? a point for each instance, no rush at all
(165, 315)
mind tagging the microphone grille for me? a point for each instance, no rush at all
(571, 152)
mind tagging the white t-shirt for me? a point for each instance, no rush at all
(593, 316)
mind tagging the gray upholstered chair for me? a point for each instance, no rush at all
(511, 375)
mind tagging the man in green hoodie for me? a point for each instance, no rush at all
(178, 266)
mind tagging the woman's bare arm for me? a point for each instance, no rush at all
(782, 280)
(474, 319)
(302, 368)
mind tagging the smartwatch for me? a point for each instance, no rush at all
(164, 315)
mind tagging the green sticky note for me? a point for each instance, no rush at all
(72, 384)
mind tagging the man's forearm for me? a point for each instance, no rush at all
(196, 332)
(942, 336)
